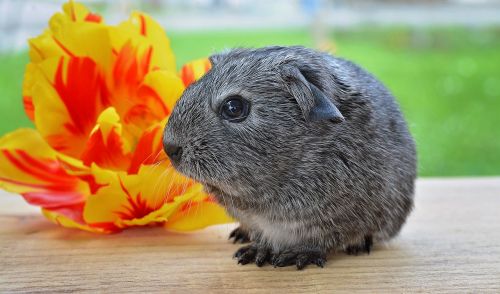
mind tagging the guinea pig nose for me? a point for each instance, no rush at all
(174, 152)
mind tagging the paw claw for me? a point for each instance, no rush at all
(300, 258)
(261, 257)
(241, 251)
(252, 253)
(244, 261)
(320, 262)
(368, 244)
(301, 262)
(260, 254)
(365, 246)
(240, 236)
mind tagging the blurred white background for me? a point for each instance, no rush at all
(20, 19)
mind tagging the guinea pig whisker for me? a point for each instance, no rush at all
(189, 205)
(158, 180)
(157, 189)
(149, 156)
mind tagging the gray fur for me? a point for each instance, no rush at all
(298, 185)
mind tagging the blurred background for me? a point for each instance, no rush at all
(440, 58)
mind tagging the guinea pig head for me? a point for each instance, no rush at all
(245, 123)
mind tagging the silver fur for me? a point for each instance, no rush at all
(299, 187)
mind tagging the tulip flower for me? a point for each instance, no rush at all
(99, 97)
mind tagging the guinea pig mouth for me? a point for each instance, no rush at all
(188, 171)
(210, 187)
(191, 169)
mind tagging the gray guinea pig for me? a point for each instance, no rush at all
(308, 151)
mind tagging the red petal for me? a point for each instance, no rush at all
(49, 171)
(136, 207)
(28, 107)
(66, 50)
(110, 227)
(147, 151)
(93, 17)
(129, 69)
(93, 185)
(81, 93)
(74, 212)
(194, 70)
(107, 154)
(187, 75)
(53, 199)
(143, 25)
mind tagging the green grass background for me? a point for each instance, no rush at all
(447, 81)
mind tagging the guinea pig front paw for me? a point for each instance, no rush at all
(301, 257)
(253, 253)
(239, 235)
(363, 247)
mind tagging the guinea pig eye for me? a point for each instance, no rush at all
(234, 109)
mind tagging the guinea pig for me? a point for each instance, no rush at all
(309, 152)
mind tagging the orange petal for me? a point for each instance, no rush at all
(194, 70)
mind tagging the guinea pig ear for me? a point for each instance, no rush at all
(315, 105)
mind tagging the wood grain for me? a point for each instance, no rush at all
(451, 243)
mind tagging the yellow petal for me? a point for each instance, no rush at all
(164, 212)
(147, 31)
(79, 68)
(101, 207)
(149, 148)
(25, 169)
(147, 197)
(28, 82)
(78, 39)
(106, 146)
(67, 99)
(43, 47)
(108, 120)
(194, 70)
(49, 111)
(167, 85)
(41, 177)
(72, 34)
(69, 223)
(26, 139)
(75, 11)
(197, 216)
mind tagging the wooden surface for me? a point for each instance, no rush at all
(451, 243)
